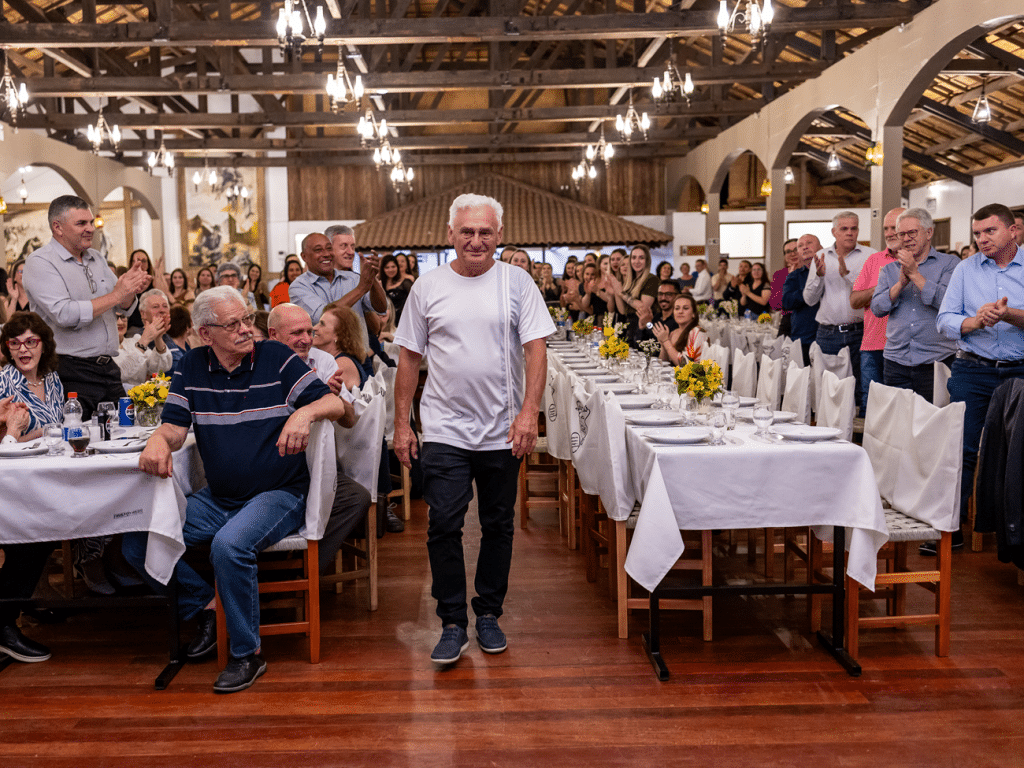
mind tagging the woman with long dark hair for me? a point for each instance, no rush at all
(292, 269)
(686, 343)
(395, 286)
(756, 293)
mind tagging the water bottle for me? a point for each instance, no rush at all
(72, 417)
(749, 315)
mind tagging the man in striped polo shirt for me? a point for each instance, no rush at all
(251, 405)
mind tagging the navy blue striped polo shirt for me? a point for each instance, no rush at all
(238, 417)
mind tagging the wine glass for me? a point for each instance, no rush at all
(53, 437)
(730, 404)
(763, 418)
(717, 423)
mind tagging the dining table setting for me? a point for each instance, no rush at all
(724, 463)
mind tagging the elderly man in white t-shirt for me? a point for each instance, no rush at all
(482, 324)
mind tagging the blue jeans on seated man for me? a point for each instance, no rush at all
(448, 476)
(831, 341)
(973, 383)
(235, 536)
(871, 363)
(920, 378)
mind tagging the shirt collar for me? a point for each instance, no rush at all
(64, 253)
(247, 364)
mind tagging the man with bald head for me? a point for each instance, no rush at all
(803, 325)
(871, 346)
(324, 282)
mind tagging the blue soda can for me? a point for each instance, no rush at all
(126, 412)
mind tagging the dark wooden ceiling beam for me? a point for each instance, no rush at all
(1002, 138)
(621, 26)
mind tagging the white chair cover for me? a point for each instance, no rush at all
(769, 381)
(358, 448)
(388, 383)
(599, 451)
(798, 392)
(916, 450)
(836, 405)
(713, 330)
(940, 375)
(558, 403)
(744, 374)
(796, 352)
(323, 475)
(820, 362)
(720, 355)
(776, 348)
(737, 340)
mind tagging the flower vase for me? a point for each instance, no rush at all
(148, 415)
(702, 407)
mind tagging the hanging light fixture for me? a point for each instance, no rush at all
(101, 132)
(766, 187)
(631, 121)
(874, 155)
(15, 97)
(161, 157)
(665, 88)
(704, 208)
(3, 205)
(340, 86)
(98, 222)
(291, 32)
(833, 163)
(751, 18)
(982, 110)
(788, 176)
(401, 177)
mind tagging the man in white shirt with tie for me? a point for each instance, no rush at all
(829, 285)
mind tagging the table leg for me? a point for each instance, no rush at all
(176, 652)
(652, 639)
(835, 643)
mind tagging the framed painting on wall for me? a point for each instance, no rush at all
(220, 223)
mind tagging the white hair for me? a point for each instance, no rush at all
(923, 217)
(204, 311)
(473, 201)
(150, 294)
(844, 215)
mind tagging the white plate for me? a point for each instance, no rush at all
(598, 379)
(806, 434)
(677, 436)
(617, 388)
(574, 359)
(594, 372)
(584, 365)
(653, 418)
(134, 445)
(635, 402)
(21, 449)
(778, 417)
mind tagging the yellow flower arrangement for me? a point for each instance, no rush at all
(150, 393)
(609, 331)
(613, 347)
(764, 318)
(701, 379)
(583, 328)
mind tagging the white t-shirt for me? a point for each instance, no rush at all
(472, 331)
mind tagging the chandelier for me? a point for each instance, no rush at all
(982, 110)
(833, 163)
(291, 32)
(339, 85)
(14, 97)
(208, 173)
(101, 132)
(788, 176)
(236, 191)
(755, 20)
(583, 170)
(401, 177)
(631, 121)
(161, 157)
(665, 87)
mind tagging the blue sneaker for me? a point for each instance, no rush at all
(449, 648)
(489, 634)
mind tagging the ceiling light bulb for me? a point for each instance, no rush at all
(592, 173)
(590, 151)
(376, 156)
(408, 175)
(115, 135)
(151, 160)
(382, 129)
(357, 89)
(169, 160)
(23, 94)
(656, 88)
(213, 177)
(767, 13)
(688, 84)
(609, 152)
(723, 16)
(645, 121)
(619, 125)
(982, 111)
(282, 22)
(833, 163)
(385, 154)
(296, 23)
(23, 192)
(789, 176)
(319, 24)
(755, 18)
(245, 193)
(396, 156)
(197, 178)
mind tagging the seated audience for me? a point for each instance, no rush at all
(146, 353)
(255, 286)
(205, 280)
(180, 292)
(279, 293)
(686, 343)
(181, 336)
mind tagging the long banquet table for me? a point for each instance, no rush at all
(827, 485)
(52, 498)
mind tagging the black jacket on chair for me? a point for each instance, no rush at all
(999, 493)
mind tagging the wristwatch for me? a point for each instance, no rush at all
(141, 347)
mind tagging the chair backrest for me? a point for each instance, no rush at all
(387, 379)
(720, 355)
(820, 362)
(916, 451)
(323, 475)
(713, 330)
(737, 340)
(836, 405)
(776, 348)
(769, 381)
(557, 404)
(599, 451)
(798, 392)
(940, 375)
(744, 373)
(796, 352)
(358, 448)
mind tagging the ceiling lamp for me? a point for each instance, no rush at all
(704, 208)
(14, 97)
(874, 155)
(788, 176)
(755, 20)
(3, 205)
(982, 110)
(339, 85)
(833, 163)
(23, 191)
(161, 157)
(631, 121)
(291, 32)
(766, 187)
(603, 150)
(664, 88)
(401, 177)
(101, 132)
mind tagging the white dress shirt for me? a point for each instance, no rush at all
(701, 290)
(832, 292)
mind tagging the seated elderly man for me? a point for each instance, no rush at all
(290, 324)
(148, 352)
(251, 405)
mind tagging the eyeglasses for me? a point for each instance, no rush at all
(909, 234)
(233, 327)
(14, 344)
(88, 274)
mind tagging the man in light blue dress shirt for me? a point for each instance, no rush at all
(983, 310)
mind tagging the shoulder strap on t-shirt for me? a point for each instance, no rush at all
(505, 279)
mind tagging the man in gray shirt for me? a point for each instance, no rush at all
(71, 287)
(909, 292)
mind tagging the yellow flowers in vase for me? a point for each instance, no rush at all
(701, 380)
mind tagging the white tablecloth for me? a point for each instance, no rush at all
(51, 498)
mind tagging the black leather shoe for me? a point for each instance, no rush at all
(394, 523)
(239, 674)
(205, 640)
(19, 647)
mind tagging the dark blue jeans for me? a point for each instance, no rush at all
(831, 341)
(972, 383)
(871, 365)
(448, 477)
(920, 378)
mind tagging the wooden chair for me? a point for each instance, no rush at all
(538, 482)
(320, 457)
(357, 559)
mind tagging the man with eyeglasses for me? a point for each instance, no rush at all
(73, 289)
(251, 405)
(909, 293)
(661, 312)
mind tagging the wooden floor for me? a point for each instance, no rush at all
(567, 692)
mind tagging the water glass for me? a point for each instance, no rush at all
(763, 418)
(78, 438)
(53, 438)
(730, 404)
(717, 424)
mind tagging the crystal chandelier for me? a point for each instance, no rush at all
(339, 86)
(15, 97)
(631, 122)
(101, 132)
(291, 32)
(161, 157)
(755, 20)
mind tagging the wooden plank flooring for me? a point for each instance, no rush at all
(566, 693)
